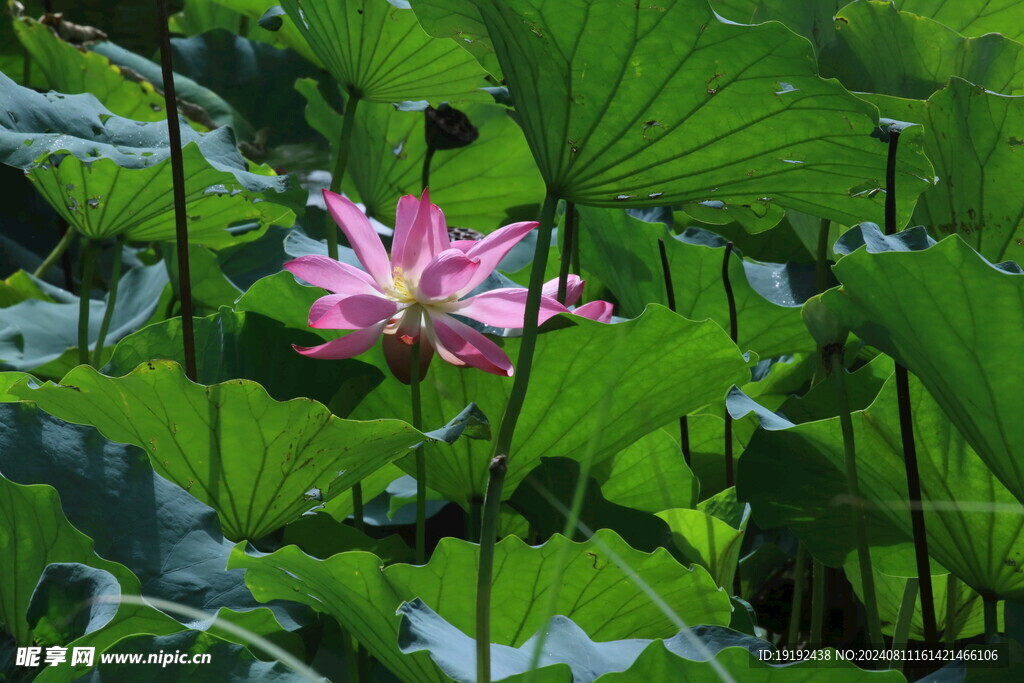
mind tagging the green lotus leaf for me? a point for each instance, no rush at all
(953, 320)
(249, 346)
(178, 558)
(42, 336)
(701, 536)
(685, 108)
(971, 17)
(974, 138)
(974, 525)
(968, 619)
(259, 463)
(660, 364)
(101, 199)
(812, 19)
(881, 50)
(70, 69)
(648, 475)
(623, 253)
(378, 52)
(487, 184)
(52, 539)
(593, 591)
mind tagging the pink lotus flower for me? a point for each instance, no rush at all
(410, 296)
(598, 310)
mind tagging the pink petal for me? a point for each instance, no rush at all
(398, 346)
(491, 249)
(334, 276)
(419, 239)
(601, 311)
(350, 345)
(339, 312)
(469, 346)
(364, 239)
(446, 274)
(505, 307)
(573, 289)
(464, 245)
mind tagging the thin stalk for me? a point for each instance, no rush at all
(734, 335)
(502, 447)
(901, 633)
(58, 251)
(421, 461)
(867, 575)
(990, 603)
(178, 178)
(817, 603)
(357, 506)
(952, 597)
(924, 577)
(821, 261)
(425, 177)
(340, 164)
(568, 243)
(670, 297)
(799, 577)
(351, 660)
(473, 518)
(821, 271)
(115, 279)
(88, 271)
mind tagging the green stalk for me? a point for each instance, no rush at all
(502, 446)
(821, 272)
(734, 335)
(904, 617)
(867, 575)
(952, 596)
(88, 270)
(990, 603)
(341, 163)
(568, 242)
(799, 576)
(357, 506)
(817, 603)
(58, 251)
(421, 461)
(670, 298)
(425, 176)
(115, 279)
(178, 191)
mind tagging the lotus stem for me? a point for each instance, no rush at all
(357, 506)
(421, 461)
(115, 279)
(670, 297)
(952, 598)
(799, 577)
(340, 164)
(734, 335)
(867, 575)
(62, 246)
(88, 271)
(178, 179)
(901, 634)
(924, 577)
(503, 444)
(990, 603)
(428, 158)
(568, 243)
(821, 271)
(817, 603)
